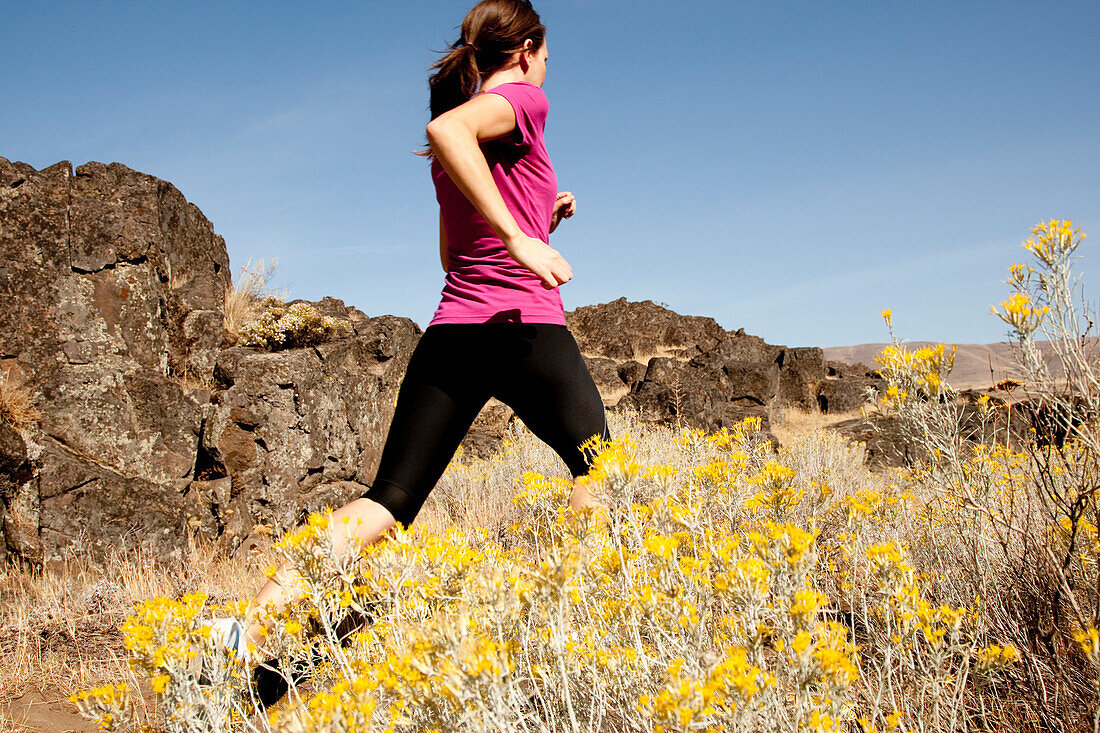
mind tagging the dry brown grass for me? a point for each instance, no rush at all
(477, 493)
(189, 380)
(59, 626)
(16, 403)
(789, 423)
(243, 298)
(190, 383)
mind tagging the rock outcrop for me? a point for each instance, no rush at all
(686, 370)
(112, 291)
(689, 370)
(845, 386)
(153, 424)
(290, 431)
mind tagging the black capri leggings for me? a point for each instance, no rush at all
(534, 368)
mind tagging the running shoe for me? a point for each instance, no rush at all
(230, 634)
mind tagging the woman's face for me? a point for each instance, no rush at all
(536, 64)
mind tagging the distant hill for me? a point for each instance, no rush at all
(977, 366)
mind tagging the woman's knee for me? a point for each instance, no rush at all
(399, 503)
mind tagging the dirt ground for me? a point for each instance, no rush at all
(34, 711)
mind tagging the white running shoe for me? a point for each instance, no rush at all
(230, 634)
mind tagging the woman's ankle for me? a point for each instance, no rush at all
(582, 498)
(254, 635)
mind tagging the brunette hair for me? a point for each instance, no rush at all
(491, 32)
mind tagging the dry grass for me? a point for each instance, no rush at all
(189, 380)
(243, 299)
(789, 423)
(477, 493)
(16, 403)
(190, 383)
(59, 626)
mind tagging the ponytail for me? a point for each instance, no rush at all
(456, 80)
(491, 32)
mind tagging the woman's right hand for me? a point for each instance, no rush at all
(541, 259)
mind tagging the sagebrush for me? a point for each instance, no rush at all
(278, 326)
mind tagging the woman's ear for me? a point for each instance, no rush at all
(524, 57)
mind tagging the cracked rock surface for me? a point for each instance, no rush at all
(688, 370)
(112, 292)
(103, 273)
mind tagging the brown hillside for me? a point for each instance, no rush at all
(977, 366)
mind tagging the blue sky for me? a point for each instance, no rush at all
(790, 168)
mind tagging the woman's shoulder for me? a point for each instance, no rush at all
(528, 100)
(518, 88)
(527, 84)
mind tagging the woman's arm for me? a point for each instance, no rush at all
(454, 138)
(564, 207)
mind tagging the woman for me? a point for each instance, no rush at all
(499, 330)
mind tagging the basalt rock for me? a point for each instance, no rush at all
(89, 506)
(845, 386)
(298, 428)
(623, 330)
(688, 370)
(111, 291)
(883, 440)
(18, 496)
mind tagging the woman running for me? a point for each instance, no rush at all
(499, 330)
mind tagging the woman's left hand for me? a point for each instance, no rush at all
(564, 207)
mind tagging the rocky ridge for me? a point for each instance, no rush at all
(152, 423)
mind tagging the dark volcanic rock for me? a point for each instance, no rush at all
(623, 329)
(18, 497)
(290, 424)
(13, 458)
(106, 260)
(88, 506)
(800, 372)
(112, 288)
(705, 392)
(845, 386)
(485, 436)
(112, 291)
(609, 379)
(886, 445)
(687, 369)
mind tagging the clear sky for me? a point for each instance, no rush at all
(791, 168)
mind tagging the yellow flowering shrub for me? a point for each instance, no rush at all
(696, 598)
(1011, 491)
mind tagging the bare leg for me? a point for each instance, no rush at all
(582, 497)
(368, 521)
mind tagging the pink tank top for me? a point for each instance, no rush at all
(484, 284)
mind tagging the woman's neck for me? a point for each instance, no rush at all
(503, 76)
